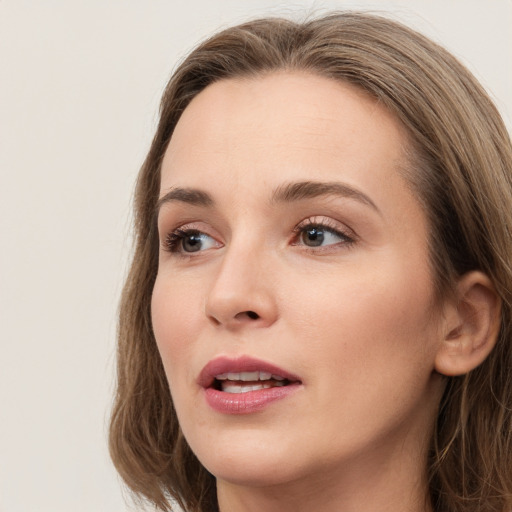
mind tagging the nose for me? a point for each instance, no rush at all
(242, 294)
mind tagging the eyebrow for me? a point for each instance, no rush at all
(286, 193)
(309, 189)
(191, 196)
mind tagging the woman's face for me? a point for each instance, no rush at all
(293, 307)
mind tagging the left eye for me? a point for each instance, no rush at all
(317, 236)
(189, 241)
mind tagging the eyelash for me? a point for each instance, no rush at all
(348, 239)
(175, 238)
(173, 241)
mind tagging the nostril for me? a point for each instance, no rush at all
(244, 315)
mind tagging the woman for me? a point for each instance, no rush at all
(318, 315)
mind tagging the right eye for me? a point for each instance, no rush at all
(189, 241)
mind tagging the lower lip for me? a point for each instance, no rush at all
(247, 403)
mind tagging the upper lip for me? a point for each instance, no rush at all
(224, 364)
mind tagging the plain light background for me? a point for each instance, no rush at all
(80, 83)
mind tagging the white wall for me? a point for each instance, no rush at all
(79, 87)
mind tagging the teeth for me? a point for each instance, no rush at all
(248, 376)
(227, 387)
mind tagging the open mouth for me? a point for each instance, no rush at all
(243, 382)
(245, 385)
(244, 374)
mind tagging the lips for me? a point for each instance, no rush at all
(244, 385)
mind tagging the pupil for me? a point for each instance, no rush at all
(314, 237)
(192, 243)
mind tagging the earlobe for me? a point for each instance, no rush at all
(471, 325)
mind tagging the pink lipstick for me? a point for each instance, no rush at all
(245, 385)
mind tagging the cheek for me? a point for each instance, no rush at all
(372, 321)
(174, 313)
(371, 343)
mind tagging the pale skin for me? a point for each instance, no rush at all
(354, 315)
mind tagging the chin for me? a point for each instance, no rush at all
(256, 473)
(250, 458)
(253, 457)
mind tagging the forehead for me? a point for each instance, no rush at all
(282, 127)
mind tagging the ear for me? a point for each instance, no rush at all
(471, 325)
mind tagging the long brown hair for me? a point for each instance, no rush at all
(460, 167)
